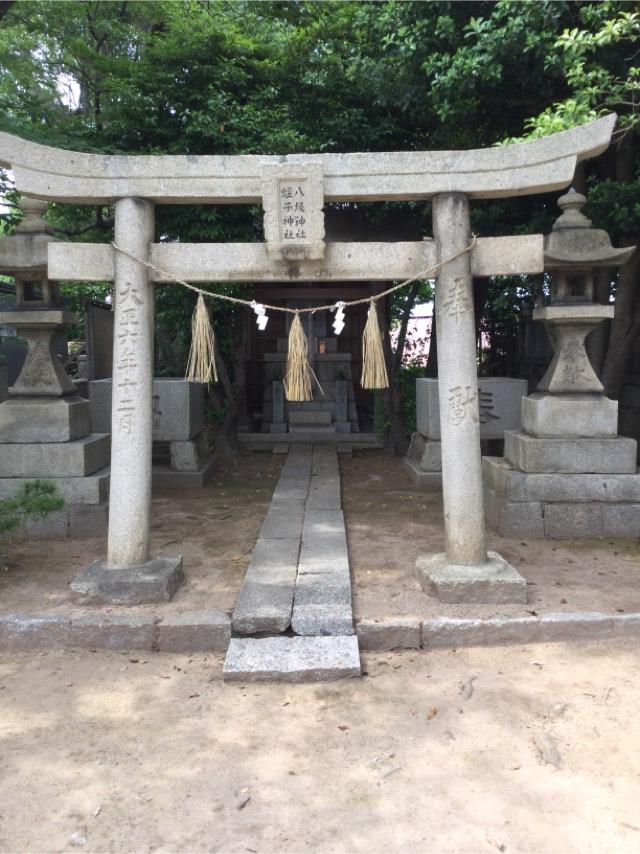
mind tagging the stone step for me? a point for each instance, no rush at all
(92, 489)
(296, 659)
(312, 430)
(306, 417)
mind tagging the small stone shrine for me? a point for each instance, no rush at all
(45, 427)
(567, 473)
(499, 410)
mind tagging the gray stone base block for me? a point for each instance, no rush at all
(164, 477)
(56, 459)
(570, 415)
(297, 659)
(27, 633)
(92, 489)
(88, 520)
(608, 456)
(424, 481)
(77, 521)
(390, 633)
(515, 485)
(566, 521)
(265, 601)
(621, 520)
(154, 581)
(494, 581)
(194, 631)
(279, 427)
(61, 419)
(98, 631)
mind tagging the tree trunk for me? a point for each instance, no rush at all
(397, 441)
(625, 327)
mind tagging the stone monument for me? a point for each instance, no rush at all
(178, 420)
(499, 403)
(45, 427)
(567, 473)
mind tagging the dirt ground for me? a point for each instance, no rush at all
(111, 752)
(388, 525)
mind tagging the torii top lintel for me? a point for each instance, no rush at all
(539, 166)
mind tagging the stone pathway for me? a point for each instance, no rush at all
(298, 580)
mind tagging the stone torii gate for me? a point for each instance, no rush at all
(135, 184)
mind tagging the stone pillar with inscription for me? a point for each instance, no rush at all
(465, 572)
(129, 575)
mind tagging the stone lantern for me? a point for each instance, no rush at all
(570, 399)
(45, 426)
(567, 473)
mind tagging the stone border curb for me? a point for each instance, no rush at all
(413, 633)
(210, 631)
(191, 632)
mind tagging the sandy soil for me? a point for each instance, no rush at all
(111, 752)
(388, 525)
(214, 528)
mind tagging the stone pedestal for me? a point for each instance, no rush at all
(177, 418)
(567, 473)
(499, 410)
(465, 573)
(45, 427)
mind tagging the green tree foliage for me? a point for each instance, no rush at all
(211, 77)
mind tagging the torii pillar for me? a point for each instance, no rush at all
(465, 572)
(129, 576)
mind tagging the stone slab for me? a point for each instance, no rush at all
(154, 581)
(424, 481)
(44, 419)
(87, 521)
(291, 489)
(499, 406)
(194, 631)
(621, 520)
(265, 601)
(568, 521)
(178, 408)
(324, 493)
(99, 631)
(304, 417)
(91, 489)
(390, 633)
(55, 459)
(163, 477)
(296, 659)
(283, 520)
(322, 598)
(581, 456)
(494, 581)
(570, 416)
(551, 487)
(30, 632)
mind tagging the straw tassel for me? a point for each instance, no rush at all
(297, 382)
(374, 368)
(202, 360)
